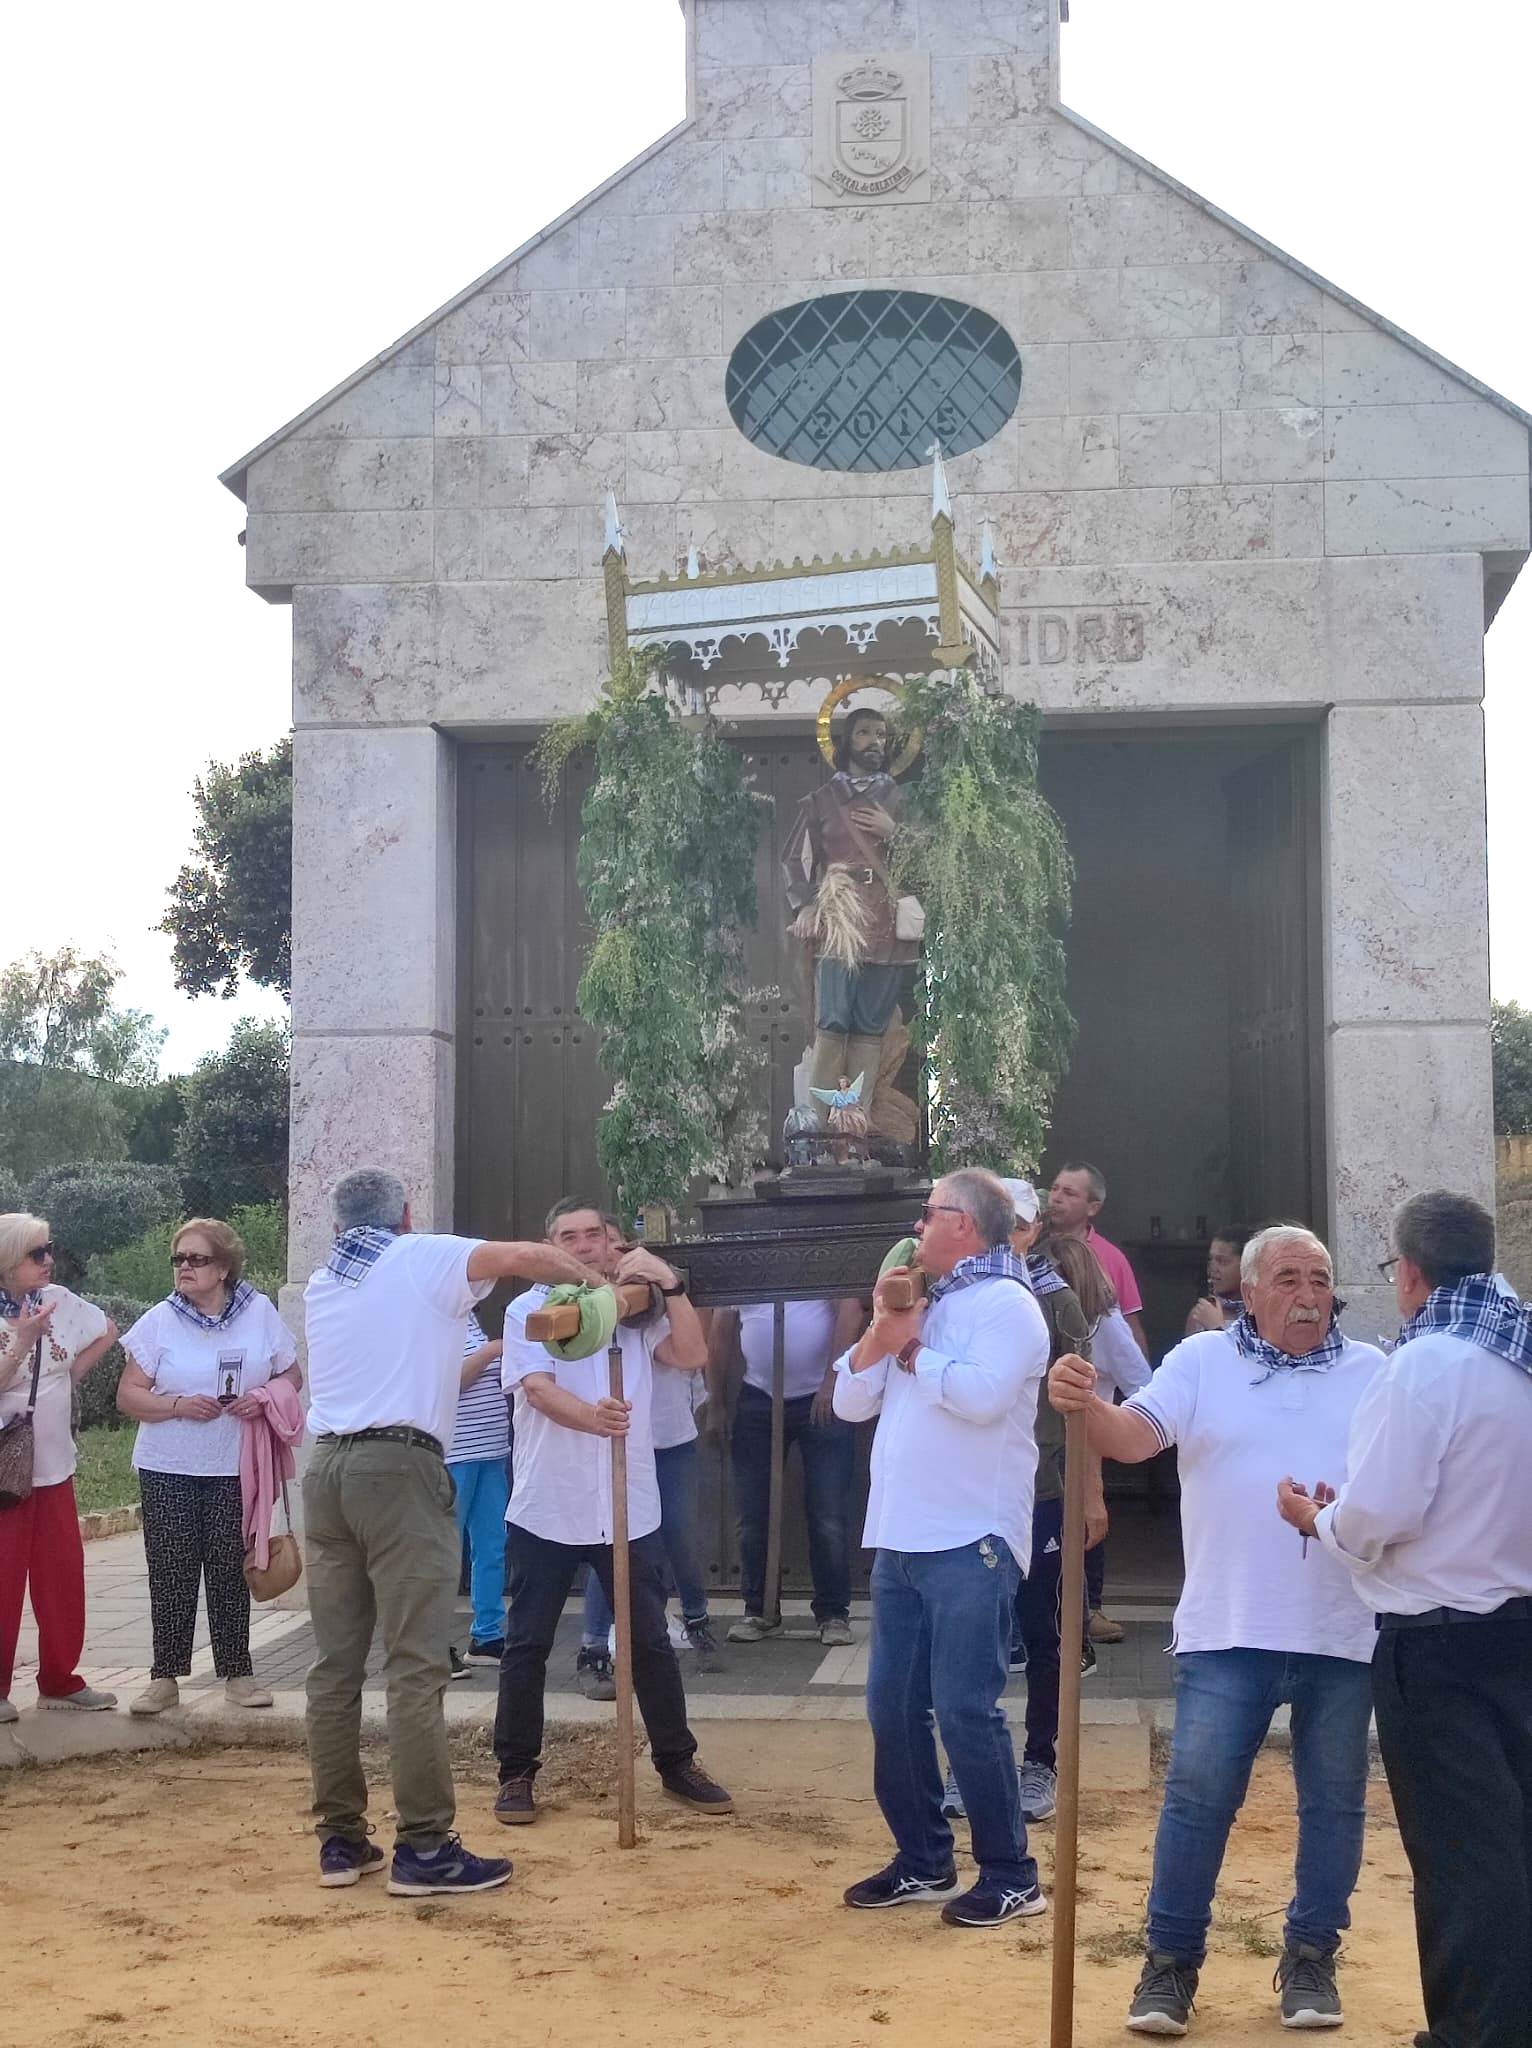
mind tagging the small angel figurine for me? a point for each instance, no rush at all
(847, 1118)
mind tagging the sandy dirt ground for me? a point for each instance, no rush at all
(164, 1900)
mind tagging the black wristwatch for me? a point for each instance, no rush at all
(670, 1293)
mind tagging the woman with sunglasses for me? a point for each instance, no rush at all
(195, 1361)
(40, 1547)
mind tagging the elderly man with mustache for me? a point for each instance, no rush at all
(1262, 1618)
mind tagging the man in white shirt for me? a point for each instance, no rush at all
(386, 1317)
(1434, 1521)
(954, 1385)
(1261, 1619)
(561, 1516)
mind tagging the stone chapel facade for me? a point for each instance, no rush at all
(1225, 499)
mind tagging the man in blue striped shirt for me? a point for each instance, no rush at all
(476, 1461)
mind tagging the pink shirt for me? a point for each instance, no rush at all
(1115, 1265)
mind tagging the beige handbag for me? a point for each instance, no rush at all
(284, 1566)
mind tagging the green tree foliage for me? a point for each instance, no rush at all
(987, 856)
(231, 906)
(150, 1119)
(1510, 1037)
(141, 1270)
(231, 1148)
(95, 1398)
(667, 866)
(95, 1205)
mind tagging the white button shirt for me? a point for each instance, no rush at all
(955, 1453)
(1437, 1508)
(562, 1489)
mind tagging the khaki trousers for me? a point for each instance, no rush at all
(381, 1548)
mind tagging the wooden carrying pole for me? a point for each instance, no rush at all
(772, 1606)
(558, 1325)
(1066, 1826)
(622, 1615)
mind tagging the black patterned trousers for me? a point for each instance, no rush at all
(193, 1537)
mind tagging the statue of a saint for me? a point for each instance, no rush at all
(860, 936)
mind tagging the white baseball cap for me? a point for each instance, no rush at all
(1023, 1199)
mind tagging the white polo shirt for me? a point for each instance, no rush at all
(387, 1353)
(1437, 1506)
(1249, 1584)
(808, 1332)
(562, 1489)
(955, 1452)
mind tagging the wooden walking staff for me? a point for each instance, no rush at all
(771, 1607)
(622, 1615)
(1066, 1827)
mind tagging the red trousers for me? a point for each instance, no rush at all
(40, 1543)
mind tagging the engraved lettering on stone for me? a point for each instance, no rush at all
(1073, 634)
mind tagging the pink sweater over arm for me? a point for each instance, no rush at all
(266, 1460)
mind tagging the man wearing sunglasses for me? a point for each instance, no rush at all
(954, 1385)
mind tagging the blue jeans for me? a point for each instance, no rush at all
(828, 1452)
(482, 1495)
(941, 1640)
(1224, 1703)
(676, 1471)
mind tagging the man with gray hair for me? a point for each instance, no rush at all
(1435, 1526)
(954, 1385)
(386, 1319)
(1261, 1620)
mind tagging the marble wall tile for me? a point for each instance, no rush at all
(515, 652)
(459, 405)
(628, 396)
(1090, 450)
(574, 469)
(1118, 228)
(1407, 516)
(1236, 371)
(1297, 520)
(672, 466)
(993, 466)
(569, 326)
(1046, 383)
(1263, 297)
(529, 398)
(856, 25)
(1019, 234)
(457, 552)
(1120, 526)
(554, 262)
(1192, 236)
(1170, 448)
(758, 176)
(283, 548)
(1403, 626)
(681, 321)
(1055, 156)
(949, 91)
(915, 241)
(503, 468)
(622, 249)
(1068, 305)
(490, 328)
(1280, 445)
(1171, 299)
(1336, 317)
(713, 248)
(805, 529)
(1029, 526)
(456, 471)
(742, 102)
(756, 31)
(830, 243)
(1371, 368)
(1227, 522)
(317, 474)
(1474, 438)
(650, 532)
(531, 542)
(686, 177)
(1121, 376)
(979, 165)
(732, 534)
(1005, 86)
(389, 404)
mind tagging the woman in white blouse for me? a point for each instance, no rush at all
(194, 1363)
(40, 1536)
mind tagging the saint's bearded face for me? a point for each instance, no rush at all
(867, 743)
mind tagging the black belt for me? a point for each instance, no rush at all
(1441, 1617)
(401, 1435)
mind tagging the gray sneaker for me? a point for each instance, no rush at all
(753, 1628)
(835, 1632)
(1038, 1787)
(594, 1675)
(8, 1712)
(1306, 1979)
(1165, 1998)
(952, 1800)
(86, 1701)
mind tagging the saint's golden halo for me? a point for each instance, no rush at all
(848, 687)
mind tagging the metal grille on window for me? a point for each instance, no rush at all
(868, 380)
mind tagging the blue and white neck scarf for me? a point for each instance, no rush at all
(998, 1263)
(356, 1251)
(242, 1295)
(1481, 1309)
(1044, 1278)
(13, 1310)
(1252, 1345)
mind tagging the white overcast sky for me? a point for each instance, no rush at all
(217, 213)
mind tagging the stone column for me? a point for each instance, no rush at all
(1407, 982)
(373, 972)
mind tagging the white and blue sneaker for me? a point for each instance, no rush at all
(418, 1874)
(891, 1888)
(986, 1905)
(952, 1800)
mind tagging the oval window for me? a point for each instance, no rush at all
(868, 380)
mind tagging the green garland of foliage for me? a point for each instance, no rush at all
(667, 866)
(987, 855)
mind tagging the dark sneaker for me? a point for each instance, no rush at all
(1087, 1660)
(700, 1637)
(488, 1651)
(1306, 1979)
(1018, 1657)
(690, 1783)
(343, 1861)
(456, 1668)
(514, 1805)
(1165, 1998)
(1038, 1787)
(952, 1800)
(450, 1868)
(986, 1905)
(889, 1888)
(594, 1675)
